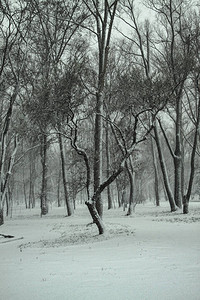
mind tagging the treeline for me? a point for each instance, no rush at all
(96, 97)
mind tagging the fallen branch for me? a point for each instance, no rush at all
(12, 240)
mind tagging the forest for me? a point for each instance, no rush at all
(99, 105)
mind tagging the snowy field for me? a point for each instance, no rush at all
(151, 255)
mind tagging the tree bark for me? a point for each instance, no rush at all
(98, 152)
(178, 156)
(43, 195)
(1, 217)
(10, 200)
(58, 187)
(119, 194)
(156, 181)
(7, 204)
(67, 201)
(186, 197)
(131, 206)
(92, 205)
(95, 216)
(24, 187)
(110, 202)
(32, 177)
(164, 171)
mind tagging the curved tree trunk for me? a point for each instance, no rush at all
(96, 217)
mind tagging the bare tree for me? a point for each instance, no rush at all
(103, 15)
(176, 60)
(14, 23)
(53, 28)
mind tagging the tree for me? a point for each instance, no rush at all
(54, 26)
(14, 24)
(137, 45)
(156, 175)
(176, 60)
(103, 15)
(110, 202)
(169, 55)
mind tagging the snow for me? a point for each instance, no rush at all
(151, 255)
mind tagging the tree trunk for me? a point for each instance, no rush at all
(124, 199)
(4, 178)
(178, 181)
(32, 176)
(10, 198)
(185, 205)
(92, 205)
(7, 204)
(178, 185)
(1, 217)
(186, 197)
(43, 196)
(164, 171)
(25, 197)
(95, 216)
(119, 194)
(156, 181)
(98, 153)
(104, 23)
(58, 188)
(131, 206)
(110, 202)
(31, 202)
(67, 201)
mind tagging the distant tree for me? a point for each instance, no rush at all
(54, 26)
(139, 50)
(168, 57)
(175, 59)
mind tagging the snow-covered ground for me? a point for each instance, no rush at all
(152, 255)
